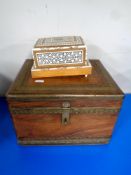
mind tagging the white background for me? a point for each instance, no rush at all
(104, 24)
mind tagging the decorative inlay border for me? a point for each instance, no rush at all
(59, 58)
(57, 110)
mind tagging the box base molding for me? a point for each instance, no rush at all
(63, 141)
(61, 71)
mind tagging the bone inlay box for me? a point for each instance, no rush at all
(60, 56)
(60, 51)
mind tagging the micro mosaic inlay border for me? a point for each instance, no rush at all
(58, 58)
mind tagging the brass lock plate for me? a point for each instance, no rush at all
(65, 113)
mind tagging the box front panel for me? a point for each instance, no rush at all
(60, 57)
(90, 121)
(47, 126)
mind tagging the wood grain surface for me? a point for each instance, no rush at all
(49, 126)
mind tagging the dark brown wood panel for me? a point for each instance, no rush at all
(49, 126)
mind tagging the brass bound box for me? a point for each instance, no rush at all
(64, 110)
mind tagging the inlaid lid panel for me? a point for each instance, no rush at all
(59, 41)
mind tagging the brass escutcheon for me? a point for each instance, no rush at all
(65, 113)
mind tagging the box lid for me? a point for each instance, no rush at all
(99, 83)
(59, 41)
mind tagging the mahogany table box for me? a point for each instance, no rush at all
(64, 110)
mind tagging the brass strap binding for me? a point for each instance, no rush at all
(57, 110)
(65, 113)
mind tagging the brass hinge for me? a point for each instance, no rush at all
(65, 113)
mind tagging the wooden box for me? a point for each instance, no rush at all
(64, 110)
(60, 52)
(60, 56)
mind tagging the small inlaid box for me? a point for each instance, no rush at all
(60, 51)
(60, 56)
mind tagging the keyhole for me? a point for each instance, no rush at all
(65, 121)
